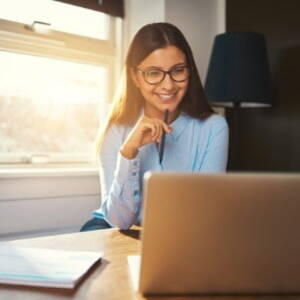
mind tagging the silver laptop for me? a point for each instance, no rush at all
(225, 233)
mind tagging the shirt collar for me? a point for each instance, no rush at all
(179, 125)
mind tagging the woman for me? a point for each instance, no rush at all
(160, 75)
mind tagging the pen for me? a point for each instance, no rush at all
(162, 144)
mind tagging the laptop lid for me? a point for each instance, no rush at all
(220, 233)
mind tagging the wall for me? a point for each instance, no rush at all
(40, 202)
(138, 13)
(269, 139)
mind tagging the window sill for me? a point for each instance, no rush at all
(20, 171)
(46, 182)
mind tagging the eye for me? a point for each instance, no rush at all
(153, 73)
(179, 70)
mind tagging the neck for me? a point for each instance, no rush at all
(160, 115)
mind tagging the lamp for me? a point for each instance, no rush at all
(238, 73)
(238, 76)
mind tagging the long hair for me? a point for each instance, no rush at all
(129, 102)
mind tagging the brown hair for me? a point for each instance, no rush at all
(128, 103)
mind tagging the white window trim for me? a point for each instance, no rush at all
(18, 37)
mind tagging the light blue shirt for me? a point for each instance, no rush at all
(192, 146)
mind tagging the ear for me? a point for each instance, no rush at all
(134, 77)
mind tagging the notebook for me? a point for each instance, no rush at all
(44, 267)
(219, 234)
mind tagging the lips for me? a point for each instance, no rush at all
(166, 97)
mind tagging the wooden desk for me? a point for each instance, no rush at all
(106, 281)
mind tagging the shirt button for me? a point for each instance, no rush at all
(134, 173)
(136, 192)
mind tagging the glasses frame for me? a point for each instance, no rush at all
(165, 73)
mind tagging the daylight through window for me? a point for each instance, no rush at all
(54, 87)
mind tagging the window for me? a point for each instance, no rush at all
(56, 80)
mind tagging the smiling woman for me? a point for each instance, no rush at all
(160, 76)
(56, 83)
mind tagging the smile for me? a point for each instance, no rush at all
(166, 96)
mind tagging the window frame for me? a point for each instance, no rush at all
(20, 38)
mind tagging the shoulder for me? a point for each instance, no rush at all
(113, 137)
(115, 131)
(214, 123)
(213, 129)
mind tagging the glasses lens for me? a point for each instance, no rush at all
(154, 76)
(180, 73)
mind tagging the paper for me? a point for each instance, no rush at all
(134, 262)
(44, 267)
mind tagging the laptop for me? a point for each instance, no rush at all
(219, 234)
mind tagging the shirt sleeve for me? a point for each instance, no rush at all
(216, 155)
(119, 181)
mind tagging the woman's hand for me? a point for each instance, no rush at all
(146, 130)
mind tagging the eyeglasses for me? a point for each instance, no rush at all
(156, 76)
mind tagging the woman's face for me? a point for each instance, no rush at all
(159, 90)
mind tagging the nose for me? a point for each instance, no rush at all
(167, 83)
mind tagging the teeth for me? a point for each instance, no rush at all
(164, 96)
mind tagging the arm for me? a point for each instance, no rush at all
(119, 179)
(119, 170)
(216, 155)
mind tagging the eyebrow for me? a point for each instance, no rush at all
(160, 68)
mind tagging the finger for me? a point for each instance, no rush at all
(167, 128)
(149, 128)
(158, 129)
(159, 135)
(163, 125)
(156, 124)
(161, 129)
(153, 130)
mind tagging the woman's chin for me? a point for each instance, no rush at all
(170, 107)
(158, 110)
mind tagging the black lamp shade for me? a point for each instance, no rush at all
(238, 72)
